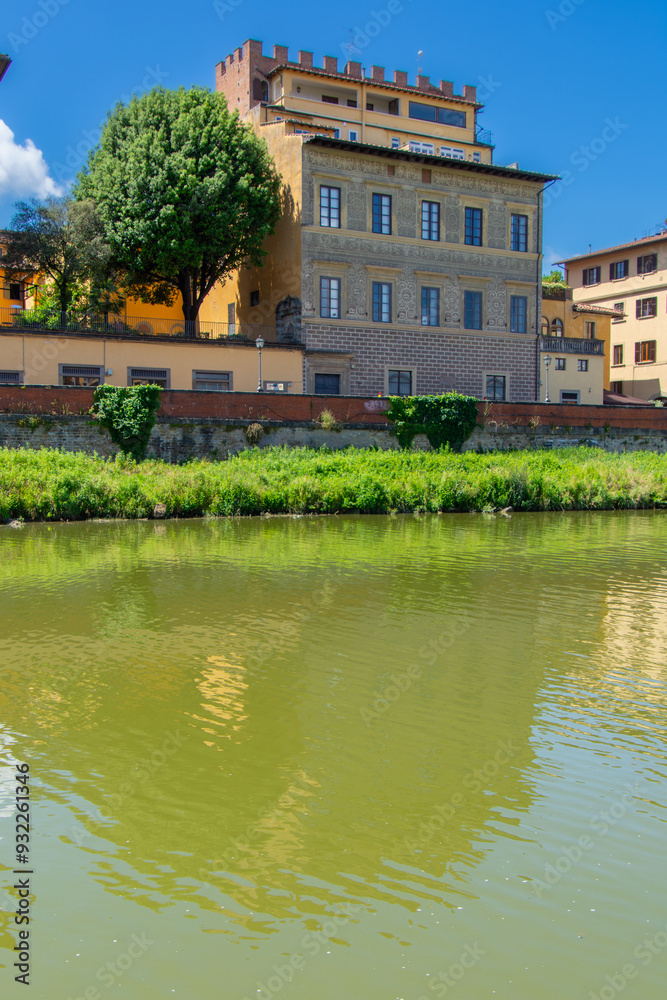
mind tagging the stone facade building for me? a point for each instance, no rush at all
(414, 260)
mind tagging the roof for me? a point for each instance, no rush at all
(584, 307)
(644, 241)
(387, 84)
(431, 159)
(5, 62)
(616, 399)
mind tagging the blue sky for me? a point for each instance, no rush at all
(574, 87)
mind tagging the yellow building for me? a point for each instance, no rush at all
(632, 280)
(575, 337)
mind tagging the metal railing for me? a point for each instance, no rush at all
(131, 326)
(571, 345)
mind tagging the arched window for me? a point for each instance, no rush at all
(545, 326)
(260, 90)
(557, 328)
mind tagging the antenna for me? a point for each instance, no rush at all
(352, 49)
(420, 55)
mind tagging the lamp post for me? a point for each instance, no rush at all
(259, 343)
(547, 362)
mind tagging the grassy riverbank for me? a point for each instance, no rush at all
(51, 485)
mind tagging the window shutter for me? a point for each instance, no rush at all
(638, 352)
(651, 350)
(639, 308)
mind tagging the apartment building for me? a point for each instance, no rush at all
(575, 346)
(631, 279)
(406, 261)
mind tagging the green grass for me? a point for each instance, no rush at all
(49, 485)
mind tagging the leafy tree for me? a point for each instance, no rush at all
(186, 192)
(59, 239)
(554, 277)
(129, 414)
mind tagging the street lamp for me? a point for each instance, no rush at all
(547, 362)
(259, 343)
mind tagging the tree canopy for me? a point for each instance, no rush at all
(186, 193)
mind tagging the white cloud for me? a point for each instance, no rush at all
(23, 169)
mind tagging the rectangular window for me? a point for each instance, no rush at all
(617, 387)
(381, 302)
(646, 308)
(212, 381)
(473, 227)
(519, 233)
(619, 307)
(336, 133)
(81, 375)
(399, 383)
(430, 307)
(619, 269)
(382, 214)
(560, 364)
(618, 354)
(351, 102)
(472, 310)
(393, 107)
(582, 365)
(644, 351)
(330, 206)
(430, 220)
(589, 330)
(421, 147)
(451, 153)
(569, 397)
(592, 275)
(330, 298)
(327, 385)
(10, 378)
(431, 113)
(476, 157)
(395, 142)
(329, 100)
(518, 314)
(496, 387)
(149, 376)
(647, 264)
(369, 106)
(15, 290)
(353, 135)
(254, 298)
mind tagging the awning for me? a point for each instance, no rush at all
(616, 399)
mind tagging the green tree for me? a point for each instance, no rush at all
(59, 239)
(186, 192)
(554, 277)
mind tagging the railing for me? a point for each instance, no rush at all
(570, 345)
(132, 326)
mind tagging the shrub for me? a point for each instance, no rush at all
(128, 414)
(327, 420)
(447, 420)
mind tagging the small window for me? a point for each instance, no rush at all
(518, 314)
(231, 318)
(589, 330)
(647, 264)
(647, 308)
(619, 307)
(496, 387)
(616, 387)
(473, 227)
(369, 106)
(382, 214)
(557, 327)
(592, 275)
(644, 352)
(582, 365)
(81, 375)
(476, 157)
(451, 153)
(351, 102)
(326, 384)
(330, 100)
(472, 310)
(381, 302)
(11, 378)
(336, 133)
(545, 326)
(430, 307)
(15, 290)
(619, 269)
(149, 376)
(519, 233)
(330, 298)
(353, 136)
(393, 107)
(330, 206)
(399, 383)
(212, 381)
(560, 364)
(569, 397)
(427, 148)
(254, 298)
(395, 142)
(430, 220)
(618, 354)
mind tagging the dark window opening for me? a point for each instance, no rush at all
(472, 310)
(496, 387)
(254, 298)
(399, 383)
(329, 100)
(473, 227)
(327, 385)
(431, 113)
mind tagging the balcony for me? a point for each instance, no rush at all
(570, 345)
(143, 327)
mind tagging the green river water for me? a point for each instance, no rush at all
(356, 758)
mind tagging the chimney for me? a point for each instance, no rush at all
(377, 73)
(353, 69)
(280, 53)
(400, 78)
(330, 64)
(470, 93)
(423, 83)
(447, 87)
(306, 60)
